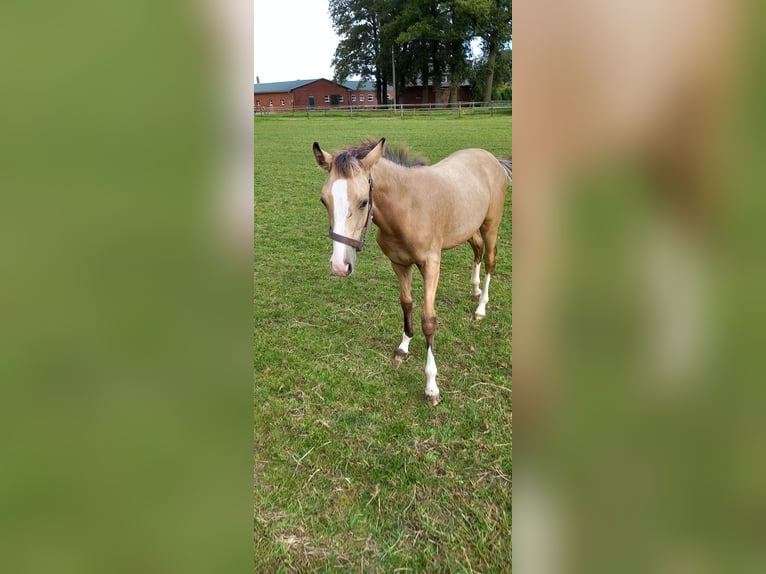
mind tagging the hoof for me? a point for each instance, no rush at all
(433, 400)
(399, 356)
(479, 317)
(475, 297)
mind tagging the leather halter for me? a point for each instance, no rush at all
(357, 244)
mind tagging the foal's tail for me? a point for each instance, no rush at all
(507, 163)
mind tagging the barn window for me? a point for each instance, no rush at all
(257, 102)
(282, 101)
(271, 102)
(327, 99)
(340, 99)
(353, 97)
(369, 97)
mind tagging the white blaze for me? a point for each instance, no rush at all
(340, 214)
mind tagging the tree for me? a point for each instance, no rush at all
(363, 50)
(429, 40)
(500, 80)
(463, 15)
(496, 32)
(437, 35)
(419, 28)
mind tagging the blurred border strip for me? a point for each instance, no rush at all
(126, 310)
(638, 281)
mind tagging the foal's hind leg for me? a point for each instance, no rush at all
(477, 244)
(489, 234)
(404, 274)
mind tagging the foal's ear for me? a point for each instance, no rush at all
(375, 154)
(323, 158)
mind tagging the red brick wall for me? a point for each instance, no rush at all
(362, 98)
(320, 89)
(299, 97)
(275, 97)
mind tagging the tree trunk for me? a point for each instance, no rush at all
(454, 86)
(424, 99)
(436, 73)
(378, 84)
(382, 100)
(376, 58)
(491, 59)
(436, 81)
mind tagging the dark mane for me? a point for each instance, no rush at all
(346, 161)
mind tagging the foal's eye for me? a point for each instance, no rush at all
(363, 204)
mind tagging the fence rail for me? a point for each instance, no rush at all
(460, 108)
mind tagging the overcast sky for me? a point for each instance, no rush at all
(292, 41)
(295, 41)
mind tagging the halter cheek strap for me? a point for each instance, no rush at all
(357, 244)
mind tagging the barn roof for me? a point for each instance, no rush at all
(363, 86)
(270, 87)
(280, 86)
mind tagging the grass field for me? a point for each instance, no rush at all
(353, 471)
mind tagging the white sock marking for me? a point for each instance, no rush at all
(475, 279)
(405, 344)
(431, 389)
(481, 310)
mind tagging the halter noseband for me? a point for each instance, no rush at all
(357, 244)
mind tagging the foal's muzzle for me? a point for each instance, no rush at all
(341, 270)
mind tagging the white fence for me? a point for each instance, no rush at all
(460, 108)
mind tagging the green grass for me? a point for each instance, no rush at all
(353, 471)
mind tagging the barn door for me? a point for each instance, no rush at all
(311, 101)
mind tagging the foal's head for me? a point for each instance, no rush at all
(346, 195)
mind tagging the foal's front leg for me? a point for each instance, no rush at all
(404, 274)
(430, 271)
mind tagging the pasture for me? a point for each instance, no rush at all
(353, 472)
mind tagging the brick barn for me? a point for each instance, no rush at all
(363, 93)
(312, 94)
(414, 94)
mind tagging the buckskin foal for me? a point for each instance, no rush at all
(420, 211)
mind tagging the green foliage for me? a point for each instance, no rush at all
(427, 39)
(501, 76)
(495, 33)
(357, 23)
(353, 472)
(504, 93)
